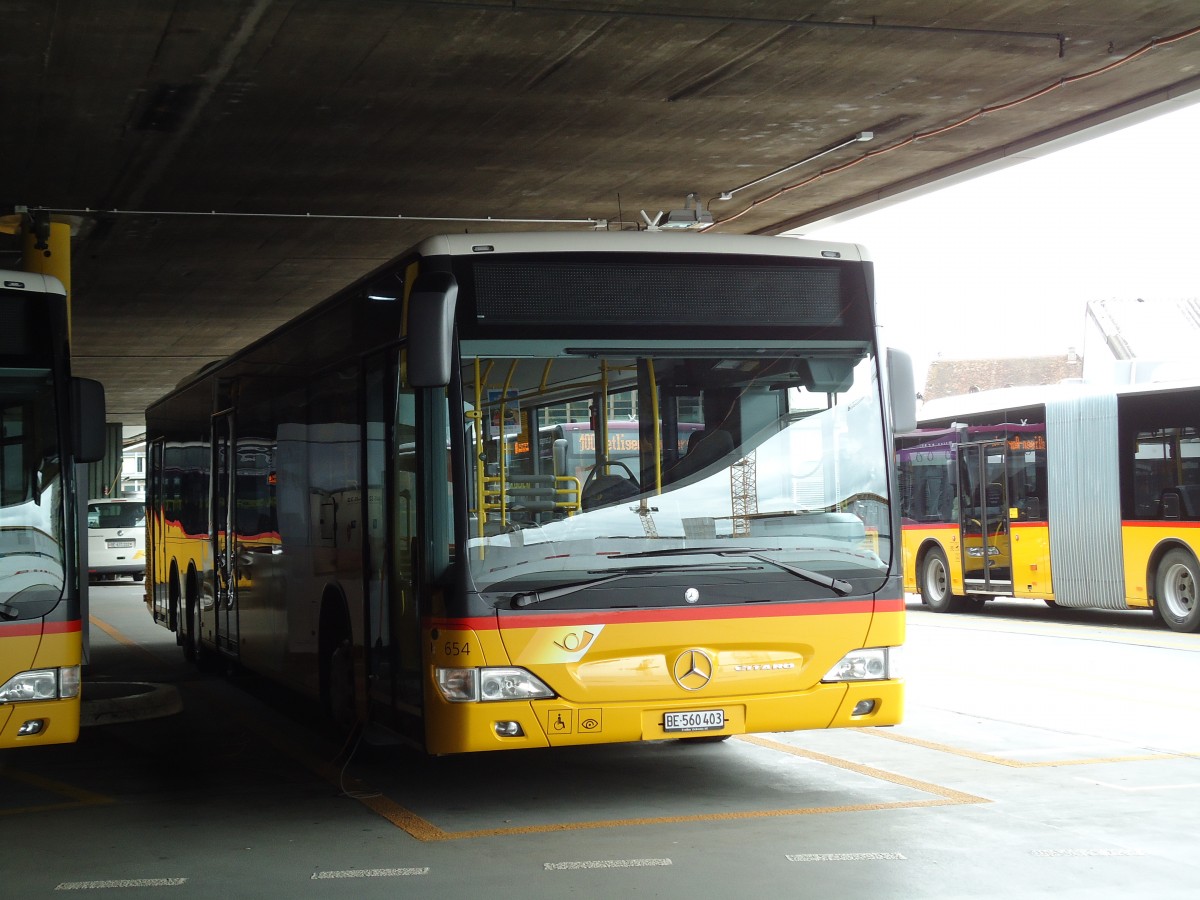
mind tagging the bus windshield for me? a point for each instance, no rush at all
(31, 503)
(770, 462)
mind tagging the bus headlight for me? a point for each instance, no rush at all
(871, 664)
(491, 683)
(37, 684)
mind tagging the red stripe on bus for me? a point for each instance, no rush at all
(1173, 524)
(37, 626)
(552, 619)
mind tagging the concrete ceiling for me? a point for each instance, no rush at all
(328, 136)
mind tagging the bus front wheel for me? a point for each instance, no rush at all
(337, 681)
(1175, 598)
(935, 583)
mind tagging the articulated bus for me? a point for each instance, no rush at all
(1077, 495)
(336, 507)
(50, 422)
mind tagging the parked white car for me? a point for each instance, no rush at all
(116, 539)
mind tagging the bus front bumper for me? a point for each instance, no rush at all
(473, 727)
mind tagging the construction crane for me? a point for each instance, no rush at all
(646, 514)
(743, 493)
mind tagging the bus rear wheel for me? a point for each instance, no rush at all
(935, 583)
(1175, 599)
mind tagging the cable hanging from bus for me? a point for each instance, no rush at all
(1081, 496)
(702, 544)
(50, 422)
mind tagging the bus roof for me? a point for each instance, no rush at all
(31, 282)
(638, 242)
(944, 409)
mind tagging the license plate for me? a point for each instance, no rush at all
(694, 720)
(116, 544)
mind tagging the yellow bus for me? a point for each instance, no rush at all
(50, 422)
(1081, 496)
(337, 507)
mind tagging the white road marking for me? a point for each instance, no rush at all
(606, 864)
(1145, 787)
(1107, 852)
(371, 873)
(1062, 750)
(841, 857)
(119, 883)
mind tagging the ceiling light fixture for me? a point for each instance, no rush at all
(861, 137)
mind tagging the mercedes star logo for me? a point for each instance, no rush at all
(693, 669)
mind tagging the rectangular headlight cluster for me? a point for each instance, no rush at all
(869, 664)
(490, 683)
(41, 684)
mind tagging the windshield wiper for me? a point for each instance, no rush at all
(8, 611)
(839, 586)
(529, 598)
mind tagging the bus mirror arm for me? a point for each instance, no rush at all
(87, 402)
(431, 329)
(902, 392)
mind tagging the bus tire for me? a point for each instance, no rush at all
(337, 670)
(1175, 599)
(935, 583)
(192, 650)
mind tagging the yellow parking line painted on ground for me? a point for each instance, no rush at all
(114, 633)
(949, 795)
(423, 830)
(1019, 764)
(79, 797)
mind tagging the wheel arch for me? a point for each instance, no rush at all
(930, 544)
(1155, 559)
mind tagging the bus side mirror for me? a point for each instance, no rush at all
(87, 419)
(431, 329)
(902, 391)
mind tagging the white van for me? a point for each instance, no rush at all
(116, 539)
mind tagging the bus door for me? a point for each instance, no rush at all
(391, 512)
(222, 535)
(983, 518)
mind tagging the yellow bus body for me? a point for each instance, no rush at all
(614, 674)
(1144, 544)
(39, 645)
(1030, 557)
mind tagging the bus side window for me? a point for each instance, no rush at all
(1189, 495)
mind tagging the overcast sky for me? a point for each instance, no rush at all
(1004, 264)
